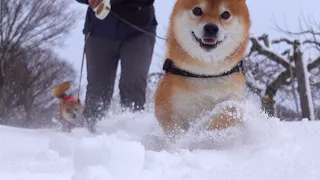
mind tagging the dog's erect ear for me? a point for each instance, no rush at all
(79, 101)
(60, 89)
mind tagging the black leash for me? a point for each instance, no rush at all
(134, 26)
(82, 62)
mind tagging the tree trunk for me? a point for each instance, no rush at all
(28, 121)
(268, 102)
(303, 83)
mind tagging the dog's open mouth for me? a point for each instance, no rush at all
(206, 43)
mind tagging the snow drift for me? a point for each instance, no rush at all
(133, 147)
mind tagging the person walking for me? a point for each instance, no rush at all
(110, 41)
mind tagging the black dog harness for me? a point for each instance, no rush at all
(169, 68)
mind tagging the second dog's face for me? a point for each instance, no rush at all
(210, 30)
(72, 111)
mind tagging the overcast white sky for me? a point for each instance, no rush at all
(263, 14)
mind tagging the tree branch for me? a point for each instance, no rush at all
(257, 47)
(314, 64)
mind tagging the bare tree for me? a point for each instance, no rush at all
(32, 25)
(28, 32)
(32, 77)
(281, 71)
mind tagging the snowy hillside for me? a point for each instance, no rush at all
(130, 148)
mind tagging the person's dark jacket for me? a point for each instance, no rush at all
(112, 27)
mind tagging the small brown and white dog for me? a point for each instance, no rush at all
(70, 107)
(206, 41)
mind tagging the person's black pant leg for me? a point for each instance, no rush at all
(135, 54)
(102, 57)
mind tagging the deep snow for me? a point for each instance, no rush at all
(130, 147)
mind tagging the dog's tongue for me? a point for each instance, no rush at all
(208, 41)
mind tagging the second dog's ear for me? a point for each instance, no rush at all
(60, 89)
(79, 101)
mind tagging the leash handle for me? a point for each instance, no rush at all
(101, 9)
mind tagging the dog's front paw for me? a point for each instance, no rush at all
(226, 117)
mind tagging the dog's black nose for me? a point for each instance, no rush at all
(210, 30)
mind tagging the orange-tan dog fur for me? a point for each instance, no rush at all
(70, 107)
(181, 100)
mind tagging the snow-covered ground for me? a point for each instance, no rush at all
(130, 147)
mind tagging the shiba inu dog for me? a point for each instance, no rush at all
(70, 107)
(206, 41)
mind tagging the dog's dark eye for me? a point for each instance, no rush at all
(197, 11)
(225, 15)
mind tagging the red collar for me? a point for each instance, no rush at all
(69, 98)
(65, 99)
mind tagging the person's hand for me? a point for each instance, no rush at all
(100, 7)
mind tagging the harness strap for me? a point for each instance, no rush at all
(169, 68)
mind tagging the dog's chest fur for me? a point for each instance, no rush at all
(208, 92)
